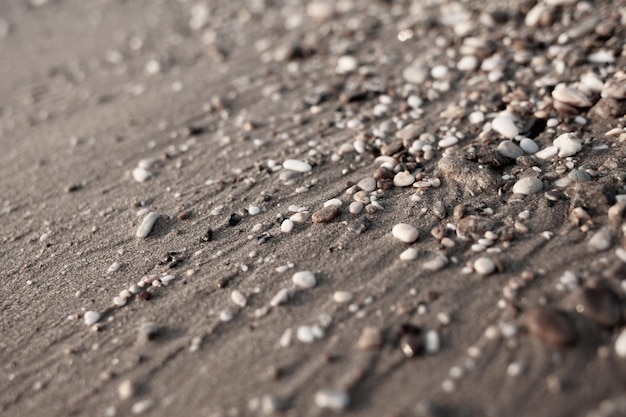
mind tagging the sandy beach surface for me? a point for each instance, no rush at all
(373, 208)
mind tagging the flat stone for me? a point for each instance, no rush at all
(326, 214)
(571, 96)
(408, 255)
(577, 175)
(601, 240)
(405, 232)
(509, 149)
(529, 146)
(469, 174)
(620, 344)
(342, 297)
(415, 74)
(304, 279)
(601, 305)
(614, 88)
(527, 186)
(296, 165)
(550, 325)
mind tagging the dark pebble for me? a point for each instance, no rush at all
(383, 173)
(144, 295)
(326, 215)
(600, 305)
(550, 325)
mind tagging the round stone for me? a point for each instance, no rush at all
(405, 232)
(509, 149)
(304, 279)
(504, 124)
(527, 186)
(529, 146)
(326, 214)
(567, 145)
(577, 175)
(286, 226)
(403, 179)
(484, 266)
(356, 207)
(296, 166)
(408, 255)
(550, 325)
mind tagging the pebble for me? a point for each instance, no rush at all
(356, 207)
(346, 64)
(448, 141)
(405, 232)
(550, 325)
(147, 224)
(115, 266)
(141, 406)
(509, 149)
(91, 317)
(527, 186)
(371, 338)
(577, 175)
(403, 179)
(432, 342)
(409, 255)
(467, 63)
(415, 74)
(282, 297)
(601, 240)
(305, 334)
(333, 202)
(238, 298)
(567, 145)
(304, 279)
(620, 344)
(504, 124)
(120, 301)
(529, 146)
(484, 266)
(614, 88)
(600, 305)
(326, 214)
(571, 96)
(367, 184)
(333, 399)
(125, 390)
(141, 174)
(296, 165)
(286, 226)
(253, 210)
(342, 297)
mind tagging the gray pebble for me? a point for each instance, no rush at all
(527, 186)
(577, 175)
(509, 149)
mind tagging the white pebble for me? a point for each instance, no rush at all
(346, 64)
(356, 207)
(342, 297)
(403, 179)
(568, 145)
(297, 166)
(141, 175)
(332, 399)
(305, 335)
(304, 279)
(405, 232)
(91, 317)
(467, 63)
(527, 186)
(125, 390)
(286, 226)
(432, 343)
(504, 124)
(238, 298)
(333, 202)
(147, 224)
(484, 266)
(529, 146)
(620, 344)
(115, 266)
(408, 255)
(254, 210)
(448, 141)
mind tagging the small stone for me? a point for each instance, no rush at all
(141, 406)
(304, 279)
(356, 207)
(120, 301)
(484, 266)
(509, 149)
(600, 305)
(577, 175)
(238, 298)
(601, 240)
(333, 399)
(617, 213)
(346, 64)
(405, 232)
(342, 297)
(333, 202)
(408, 255)
(383, 173)
(282, 297)
(125, 390)
(568, 145)
(371, 338)
(367, 184)
(326, 214)
(504, 124)
(141, 174)
(320, 10)
(620, 344)
(253, 210)
(91, 317)
(550, 325)
(286, 226)
(529, 146)
(527, 186)
(147, 224)
(115, 266)
(571, 96)
(296, 165)
(305, 334)
(403, 179)
(432, 342)
(435, 264)
(614, 88)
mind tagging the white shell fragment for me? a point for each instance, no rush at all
(147, 224)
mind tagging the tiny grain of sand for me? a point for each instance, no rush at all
(368, 208)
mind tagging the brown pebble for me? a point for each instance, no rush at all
(184, 215)
(144, 295)
(371, 338)
(600, 305)
(383, 173)
(550, 325)
(326, 215)
(391, 148)
(473, 227)
(384, 184)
